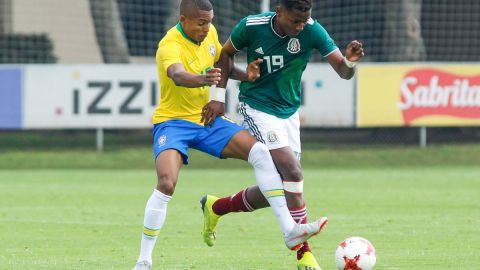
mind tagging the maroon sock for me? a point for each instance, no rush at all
(300, 216)
(235, 203)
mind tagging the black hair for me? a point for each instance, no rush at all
(187, 5)
(300, 5)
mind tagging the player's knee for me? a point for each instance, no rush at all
(290, 171)
(166, 184)
(296, 173)
(259, 154)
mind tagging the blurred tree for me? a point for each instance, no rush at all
(145, 22)
(402, 39)
(109, 31)
(173, 17)
(5, 16)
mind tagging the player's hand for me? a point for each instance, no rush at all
(253, 70)
(211, 111)
(212, 77)
(354, 51)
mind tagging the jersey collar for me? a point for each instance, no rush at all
(180, 29)
(273, 29)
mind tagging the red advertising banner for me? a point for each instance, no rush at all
(404, 95)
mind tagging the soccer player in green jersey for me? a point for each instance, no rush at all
(185, 60)
(282, 43)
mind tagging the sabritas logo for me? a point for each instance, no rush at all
(430, 92)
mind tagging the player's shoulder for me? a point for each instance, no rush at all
(314, 25)
(212, 30)
(314, 28)
(173, 35)
(258, 19)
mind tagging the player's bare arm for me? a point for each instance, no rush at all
(345, 66)
(216, 107)
(181, 77)
(226, 63)
(251, 74)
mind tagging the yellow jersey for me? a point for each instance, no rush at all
(177, 102)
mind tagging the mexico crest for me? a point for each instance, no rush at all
(272, 136)
(293, 45)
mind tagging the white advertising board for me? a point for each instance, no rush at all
(328, 100)
(89, 96)
(124, 96)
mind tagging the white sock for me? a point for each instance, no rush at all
(270, 183)
(155, 213)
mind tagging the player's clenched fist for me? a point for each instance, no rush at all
(354, 51)
(253, 70)
(212, 77)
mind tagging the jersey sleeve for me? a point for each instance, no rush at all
(322, 40)
(239, 36)
(218, 45)
(168, 53)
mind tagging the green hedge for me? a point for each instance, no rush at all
(26, 49)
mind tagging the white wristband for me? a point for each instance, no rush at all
(349, 63)
(219, 94)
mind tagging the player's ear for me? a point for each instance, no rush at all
(183, 18)
(279, 10)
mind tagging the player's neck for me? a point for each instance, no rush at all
(181, 29)
(276, 27)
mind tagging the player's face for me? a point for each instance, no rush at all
(197, 24)
(292, 22)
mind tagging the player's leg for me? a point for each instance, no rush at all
(170, 150)
(305, 258)
(246, 147)
(289, 167)
(278, 134)
(251, 199)
(270, 184)
(282, 136)
(168, 164)
(226, 139)
(216, 141)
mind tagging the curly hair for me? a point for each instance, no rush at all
(300, 5)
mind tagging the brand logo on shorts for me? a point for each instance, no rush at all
(212, 50)
(162, 140)
(293, 45)
(272, 136)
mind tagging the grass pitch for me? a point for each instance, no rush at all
(417, 218)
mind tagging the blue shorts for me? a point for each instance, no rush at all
(181, 135)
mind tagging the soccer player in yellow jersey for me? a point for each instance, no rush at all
(185, 61)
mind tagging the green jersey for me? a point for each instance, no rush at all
(277, 91)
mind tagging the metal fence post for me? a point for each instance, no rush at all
(99, 139)
(265, 5)
(423, 137)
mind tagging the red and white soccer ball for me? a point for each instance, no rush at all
(355, 253)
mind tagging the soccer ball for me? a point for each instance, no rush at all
(355, 253)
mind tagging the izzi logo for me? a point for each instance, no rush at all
(108, 92)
